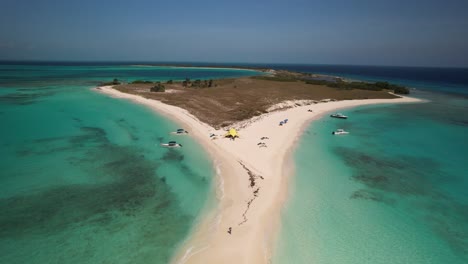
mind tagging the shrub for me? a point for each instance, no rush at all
(186, 82)
(197, 83)
(401, 90)
(114, 82)
(378, 86)
(383, 85)
(158, 88)
(141, 81)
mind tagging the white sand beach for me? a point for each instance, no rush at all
(251, 181)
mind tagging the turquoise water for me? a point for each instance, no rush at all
(38, 75)
(83, 179)
(391, 191)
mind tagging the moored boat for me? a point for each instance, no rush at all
(340, 132)
(180, 131)
(171, 144)
(339, 115)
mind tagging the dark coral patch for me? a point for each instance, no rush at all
(386, 177)
(132, 186)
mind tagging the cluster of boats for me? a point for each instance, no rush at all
(339, 131)
(181, 131)
(174, 144)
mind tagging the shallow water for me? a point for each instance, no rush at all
(83, 179)
(391, 191)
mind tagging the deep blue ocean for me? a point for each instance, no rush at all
(392, 191)
(434, 79)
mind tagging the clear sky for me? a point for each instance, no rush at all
(362, 32)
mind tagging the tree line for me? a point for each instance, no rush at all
(377, 86)
(197, 83)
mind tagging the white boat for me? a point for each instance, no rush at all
(180, 131)
(171, 144)
(340, 132)
(339, 115)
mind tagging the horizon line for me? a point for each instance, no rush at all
(168, 63)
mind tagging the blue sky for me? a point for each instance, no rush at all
(361, 32)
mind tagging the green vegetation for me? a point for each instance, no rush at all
(186, 83)
(141, 82)
(197, 83)
(170, 82)
(340, 84)
(114, 82)
(377, 86)
(158, 88)
(236, 99)
(401, 90)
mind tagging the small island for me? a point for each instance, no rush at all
(248, 126)
(221, 103)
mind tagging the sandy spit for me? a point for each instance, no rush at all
(251, 180)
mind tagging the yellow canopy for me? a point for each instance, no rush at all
(232, 133)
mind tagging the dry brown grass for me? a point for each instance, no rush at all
(232, 100)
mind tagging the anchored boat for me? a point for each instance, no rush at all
(180, 131)
(339, 115)
(171, 144)
(340, 132)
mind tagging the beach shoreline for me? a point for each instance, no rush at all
(251, 182)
